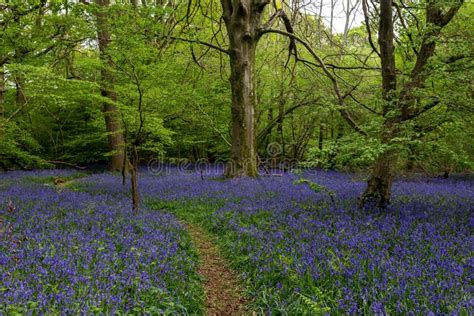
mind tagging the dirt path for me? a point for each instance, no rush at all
(223, 294)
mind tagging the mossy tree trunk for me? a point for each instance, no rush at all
(112, 117)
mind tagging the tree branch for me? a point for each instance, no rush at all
(261, 135)
(222, 50)
(367, 26)
(342, 109)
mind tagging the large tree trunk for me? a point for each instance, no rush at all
(380, 181)
(242, 19)
(112, 117)
(242, 80)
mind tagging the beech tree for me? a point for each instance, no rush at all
(243, 20)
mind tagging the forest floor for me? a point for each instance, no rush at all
(232, 247)
(223, 294)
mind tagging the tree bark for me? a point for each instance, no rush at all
(321, 138)
(331, 19)
(280, 132)
(243, 150)
(20, 97)
(320, 19)
(2, 93)
(404, 107)
(243, 19)
(134, 181)
(112, 117)
(268, 132)
(380, 181)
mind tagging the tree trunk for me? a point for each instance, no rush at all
(112, 117)
(243, 151)
(2, 93)
(268, 136)
(20, 97)
(398, 109)
(380, 182)
(320, 19)
(280, 132)
(331, 19)
(134, 181)
(321, 138)
(243, 19)
(411, 158)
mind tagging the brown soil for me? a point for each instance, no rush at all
(223, 294)
(61, 184)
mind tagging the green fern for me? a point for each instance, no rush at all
(316, 308)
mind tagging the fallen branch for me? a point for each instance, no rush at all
(57, 162)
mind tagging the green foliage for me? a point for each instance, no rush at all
(18, 149)
(314, 306)
(62, 116)
(182, 91)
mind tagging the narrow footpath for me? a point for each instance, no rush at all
(223, 294)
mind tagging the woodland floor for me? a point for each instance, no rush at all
(223, 294)
(291, 247)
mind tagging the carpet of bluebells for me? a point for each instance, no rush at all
(299, 250)
(68, 252)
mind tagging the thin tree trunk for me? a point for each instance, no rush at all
(411, 158)
(321, 137)
(2, 93)
(110, 110)
(134, 181)
(268, 136)
(331, 20)
(280, 132)
(20, 97)
(320, 19)
(347, 21)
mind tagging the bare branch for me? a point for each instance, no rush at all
(367, 26)
(275, 121)
(342, 109)
(222, 50)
